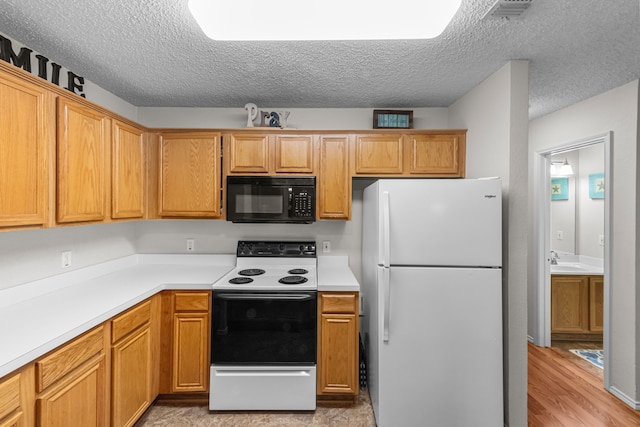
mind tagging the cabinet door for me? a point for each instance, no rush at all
(190, 352)
(131, 378)
(436, 155)
(338, 354)
(24, 159)
(77, 401)
(294, 154)
(569, 304)
(378, 154)
(338, 344)
(334, 181)
(189, 175)
(11, 412)
(82, 162)
(596, 303)
(247, 153)
(127, 171)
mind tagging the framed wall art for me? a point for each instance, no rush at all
(596, 186)
(392, 119)
(560, 188)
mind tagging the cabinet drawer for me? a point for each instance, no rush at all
(130, 321)
(62, 361)
(339, 302)
(9, 396)
(191, 301)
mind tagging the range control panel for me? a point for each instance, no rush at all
(290, 249)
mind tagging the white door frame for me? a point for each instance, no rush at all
(542, 243)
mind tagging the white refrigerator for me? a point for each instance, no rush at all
(432, 285)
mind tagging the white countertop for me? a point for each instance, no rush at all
(334, 274)
(37, 317)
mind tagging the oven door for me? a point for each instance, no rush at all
(264, 328)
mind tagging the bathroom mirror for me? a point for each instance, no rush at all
(577, 215)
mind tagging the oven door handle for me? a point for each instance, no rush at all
(263, 296)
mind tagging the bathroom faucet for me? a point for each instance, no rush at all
(554, 258)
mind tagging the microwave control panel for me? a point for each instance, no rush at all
(301, 203)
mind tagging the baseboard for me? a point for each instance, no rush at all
(530, 339)
(626, 399)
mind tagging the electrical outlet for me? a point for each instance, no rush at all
(559, 235)
(65, 259)
(326, 246)
(191, 245)
(601, 239)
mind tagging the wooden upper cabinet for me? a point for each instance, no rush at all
(378, 154)
(334, 181)
(294, 153)
(127, 171)
(189, 178)
(436, 155)
(247, 153)
(83, 159)
(24, 160)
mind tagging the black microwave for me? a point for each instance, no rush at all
(276, 199)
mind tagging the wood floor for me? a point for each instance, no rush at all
(567, 391)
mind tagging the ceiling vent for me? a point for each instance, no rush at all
(507, 9)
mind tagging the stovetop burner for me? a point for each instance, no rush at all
(292, 280)
(287, 266)
(240, 280)
(251, 272)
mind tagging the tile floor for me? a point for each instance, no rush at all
(358, 415)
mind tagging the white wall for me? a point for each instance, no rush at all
(496, 114)
(590, 215)
(92, 92)
(300, 118)
(34, 254)
(616, 110)
(29, 255)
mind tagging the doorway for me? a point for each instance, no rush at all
(542, 244)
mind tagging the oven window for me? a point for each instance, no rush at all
(263, 328)
(259, 203)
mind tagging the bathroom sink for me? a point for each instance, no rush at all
(574, 268)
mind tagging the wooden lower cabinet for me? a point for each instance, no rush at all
(17, 399)
(79, 401)
(133, 366)
(185, 358)
(576, 307)
(338, 355)
(72, 383)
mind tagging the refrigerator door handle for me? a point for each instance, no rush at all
(386, 289)
(386, 220)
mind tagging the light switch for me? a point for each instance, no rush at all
(559, 235)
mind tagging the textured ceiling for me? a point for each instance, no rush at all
(152, 53)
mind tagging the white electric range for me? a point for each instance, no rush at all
(264, 329)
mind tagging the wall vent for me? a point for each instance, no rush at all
(507, 9)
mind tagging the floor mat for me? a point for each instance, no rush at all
(595, 357)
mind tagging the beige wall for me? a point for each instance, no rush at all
(496, 114)
(616, 111)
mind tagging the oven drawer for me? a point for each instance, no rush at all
(271, 388)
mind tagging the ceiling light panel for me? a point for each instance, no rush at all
(251, 20)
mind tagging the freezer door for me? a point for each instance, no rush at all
(442, 363)
(451, 222)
